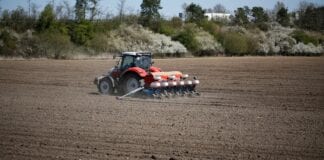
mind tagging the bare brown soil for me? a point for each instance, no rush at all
(250, 108)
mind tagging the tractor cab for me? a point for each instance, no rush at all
(131, 68)
(134, 59)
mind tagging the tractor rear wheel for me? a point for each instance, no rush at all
(130, 83)
(105, 86)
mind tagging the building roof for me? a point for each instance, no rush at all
(218, 16)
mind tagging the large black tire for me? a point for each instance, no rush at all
(130, 82)
(105, 86)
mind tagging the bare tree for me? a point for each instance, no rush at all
(219, 8)
(303, 5)
(273, 13)
(130, 10)
(93, 7)
(59, 11)
(278, 6)
(53, 3)
(81, 7)
(184, 7)
(0, 8)
(68, 10)
(121, 9)
(29, 8)
(63, 11)
(108, 15)
(34, 10)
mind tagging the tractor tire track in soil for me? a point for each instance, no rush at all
(250, 108)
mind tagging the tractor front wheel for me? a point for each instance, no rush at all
(105, 86)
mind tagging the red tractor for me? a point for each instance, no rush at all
(134, 72)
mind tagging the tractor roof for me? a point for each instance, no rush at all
(136, 53)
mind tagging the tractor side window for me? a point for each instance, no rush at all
(128, 61)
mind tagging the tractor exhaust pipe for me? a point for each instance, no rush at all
(130, 93)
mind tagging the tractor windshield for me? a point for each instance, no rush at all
(143, 62)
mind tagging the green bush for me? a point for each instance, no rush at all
(169, 27)
(106, 25)
(60, 27)
(255, 28)
(46, 18)
(211, 27)
(99, 42)
(187, 38)
(54, 45)
(166, 28)
(201, 53)
(200, 42)
(263, 26)
(235, 44)
(169, 55)
(252, 46)
(305, 38)
(17, 19)
(29, 45)
(176, 22)
(8, 43)
(81, 32)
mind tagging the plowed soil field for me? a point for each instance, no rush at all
(250, 108)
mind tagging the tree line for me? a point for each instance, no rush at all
(78, 23)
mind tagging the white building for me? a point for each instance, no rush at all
(218, 16)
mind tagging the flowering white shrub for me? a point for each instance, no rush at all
(303, 49)
(136, 38)
(238, 29)
(207, 42)
(277, 40)
(163, 44)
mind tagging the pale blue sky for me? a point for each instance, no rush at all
(170, 7)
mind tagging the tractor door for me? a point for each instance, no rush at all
(127, 62)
